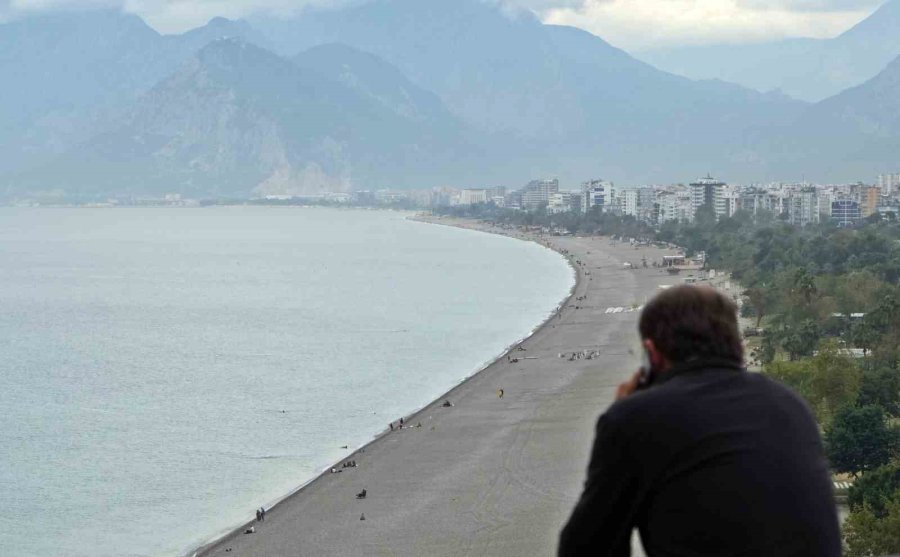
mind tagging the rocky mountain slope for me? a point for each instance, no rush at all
(237, 118)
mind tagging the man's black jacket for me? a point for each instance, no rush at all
(711, 460)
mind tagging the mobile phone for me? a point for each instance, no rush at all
(646, 370)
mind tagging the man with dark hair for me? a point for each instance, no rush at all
(703, 457)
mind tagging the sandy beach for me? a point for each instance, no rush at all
(487, 475)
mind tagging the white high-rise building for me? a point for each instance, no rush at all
(630, 202)
(538, 192)
(596, 193)
(674, 205)
(802, 207)
(709, 191)
(472, 196)
(561, 202)
(888, 183)
(667, 203)
(732, 200)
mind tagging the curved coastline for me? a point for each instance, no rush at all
(491, 474)
(235, 531)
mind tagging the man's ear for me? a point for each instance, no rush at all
(657, 360)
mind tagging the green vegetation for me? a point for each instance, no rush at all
(829, 381)
(868, 535)
(875, 488)
(858, 439)
(828, 300)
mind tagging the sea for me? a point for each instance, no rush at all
(166, 371)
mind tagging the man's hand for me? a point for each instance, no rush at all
(628, 387)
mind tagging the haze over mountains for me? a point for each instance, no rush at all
(394, 93)
(808, 69)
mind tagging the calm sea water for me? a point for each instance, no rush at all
(163, 372)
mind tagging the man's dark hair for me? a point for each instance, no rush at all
(691, 322)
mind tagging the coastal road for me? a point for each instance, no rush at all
(488, 475)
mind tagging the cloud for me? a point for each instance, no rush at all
(25, 6)
(167, 16)
(630, 24)
(810, 5)
(541, 5)
(643, 24)
(175, 16)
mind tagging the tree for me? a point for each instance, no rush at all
(757, 297)
(874, 489)
(835, 381)
(805, 285)
(881, 387)
(768, 348)
(801, 339)
(867, 535)
(796, 375)
(829, 381)
(859, 439)
(858, 291)
(863, 335)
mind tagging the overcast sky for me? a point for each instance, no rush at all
(630, 24)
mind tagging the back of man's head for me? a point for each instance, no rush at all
(692, 322)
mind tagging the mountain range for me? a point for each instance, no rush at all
(808, 69)
(393, 93)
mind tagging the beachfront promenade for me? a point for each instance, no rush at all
(489, 475)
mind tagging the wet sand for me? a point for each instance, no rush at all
(489, 475)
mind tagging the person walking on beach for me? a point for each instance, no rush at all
(703, 457)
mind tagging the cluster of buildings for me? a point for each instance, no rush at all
(800, 204)
(797, 203)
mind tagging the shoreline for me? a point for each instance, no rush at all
(477, 226)
(481, 448)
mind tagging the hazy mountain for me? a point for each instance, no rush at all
(850, 136)
(67, 76)
(237, 118)
(808, 69)
(581, 106)
(372, 77)
(397, 93)
(872, 108)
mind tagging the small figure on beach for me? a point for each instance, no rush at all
(259, 515)
(391, 425)
(500, 393)
(362, 494)
(447, 404)
(362, 516)
(262, 513)
(250, 530)
(401, 421)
